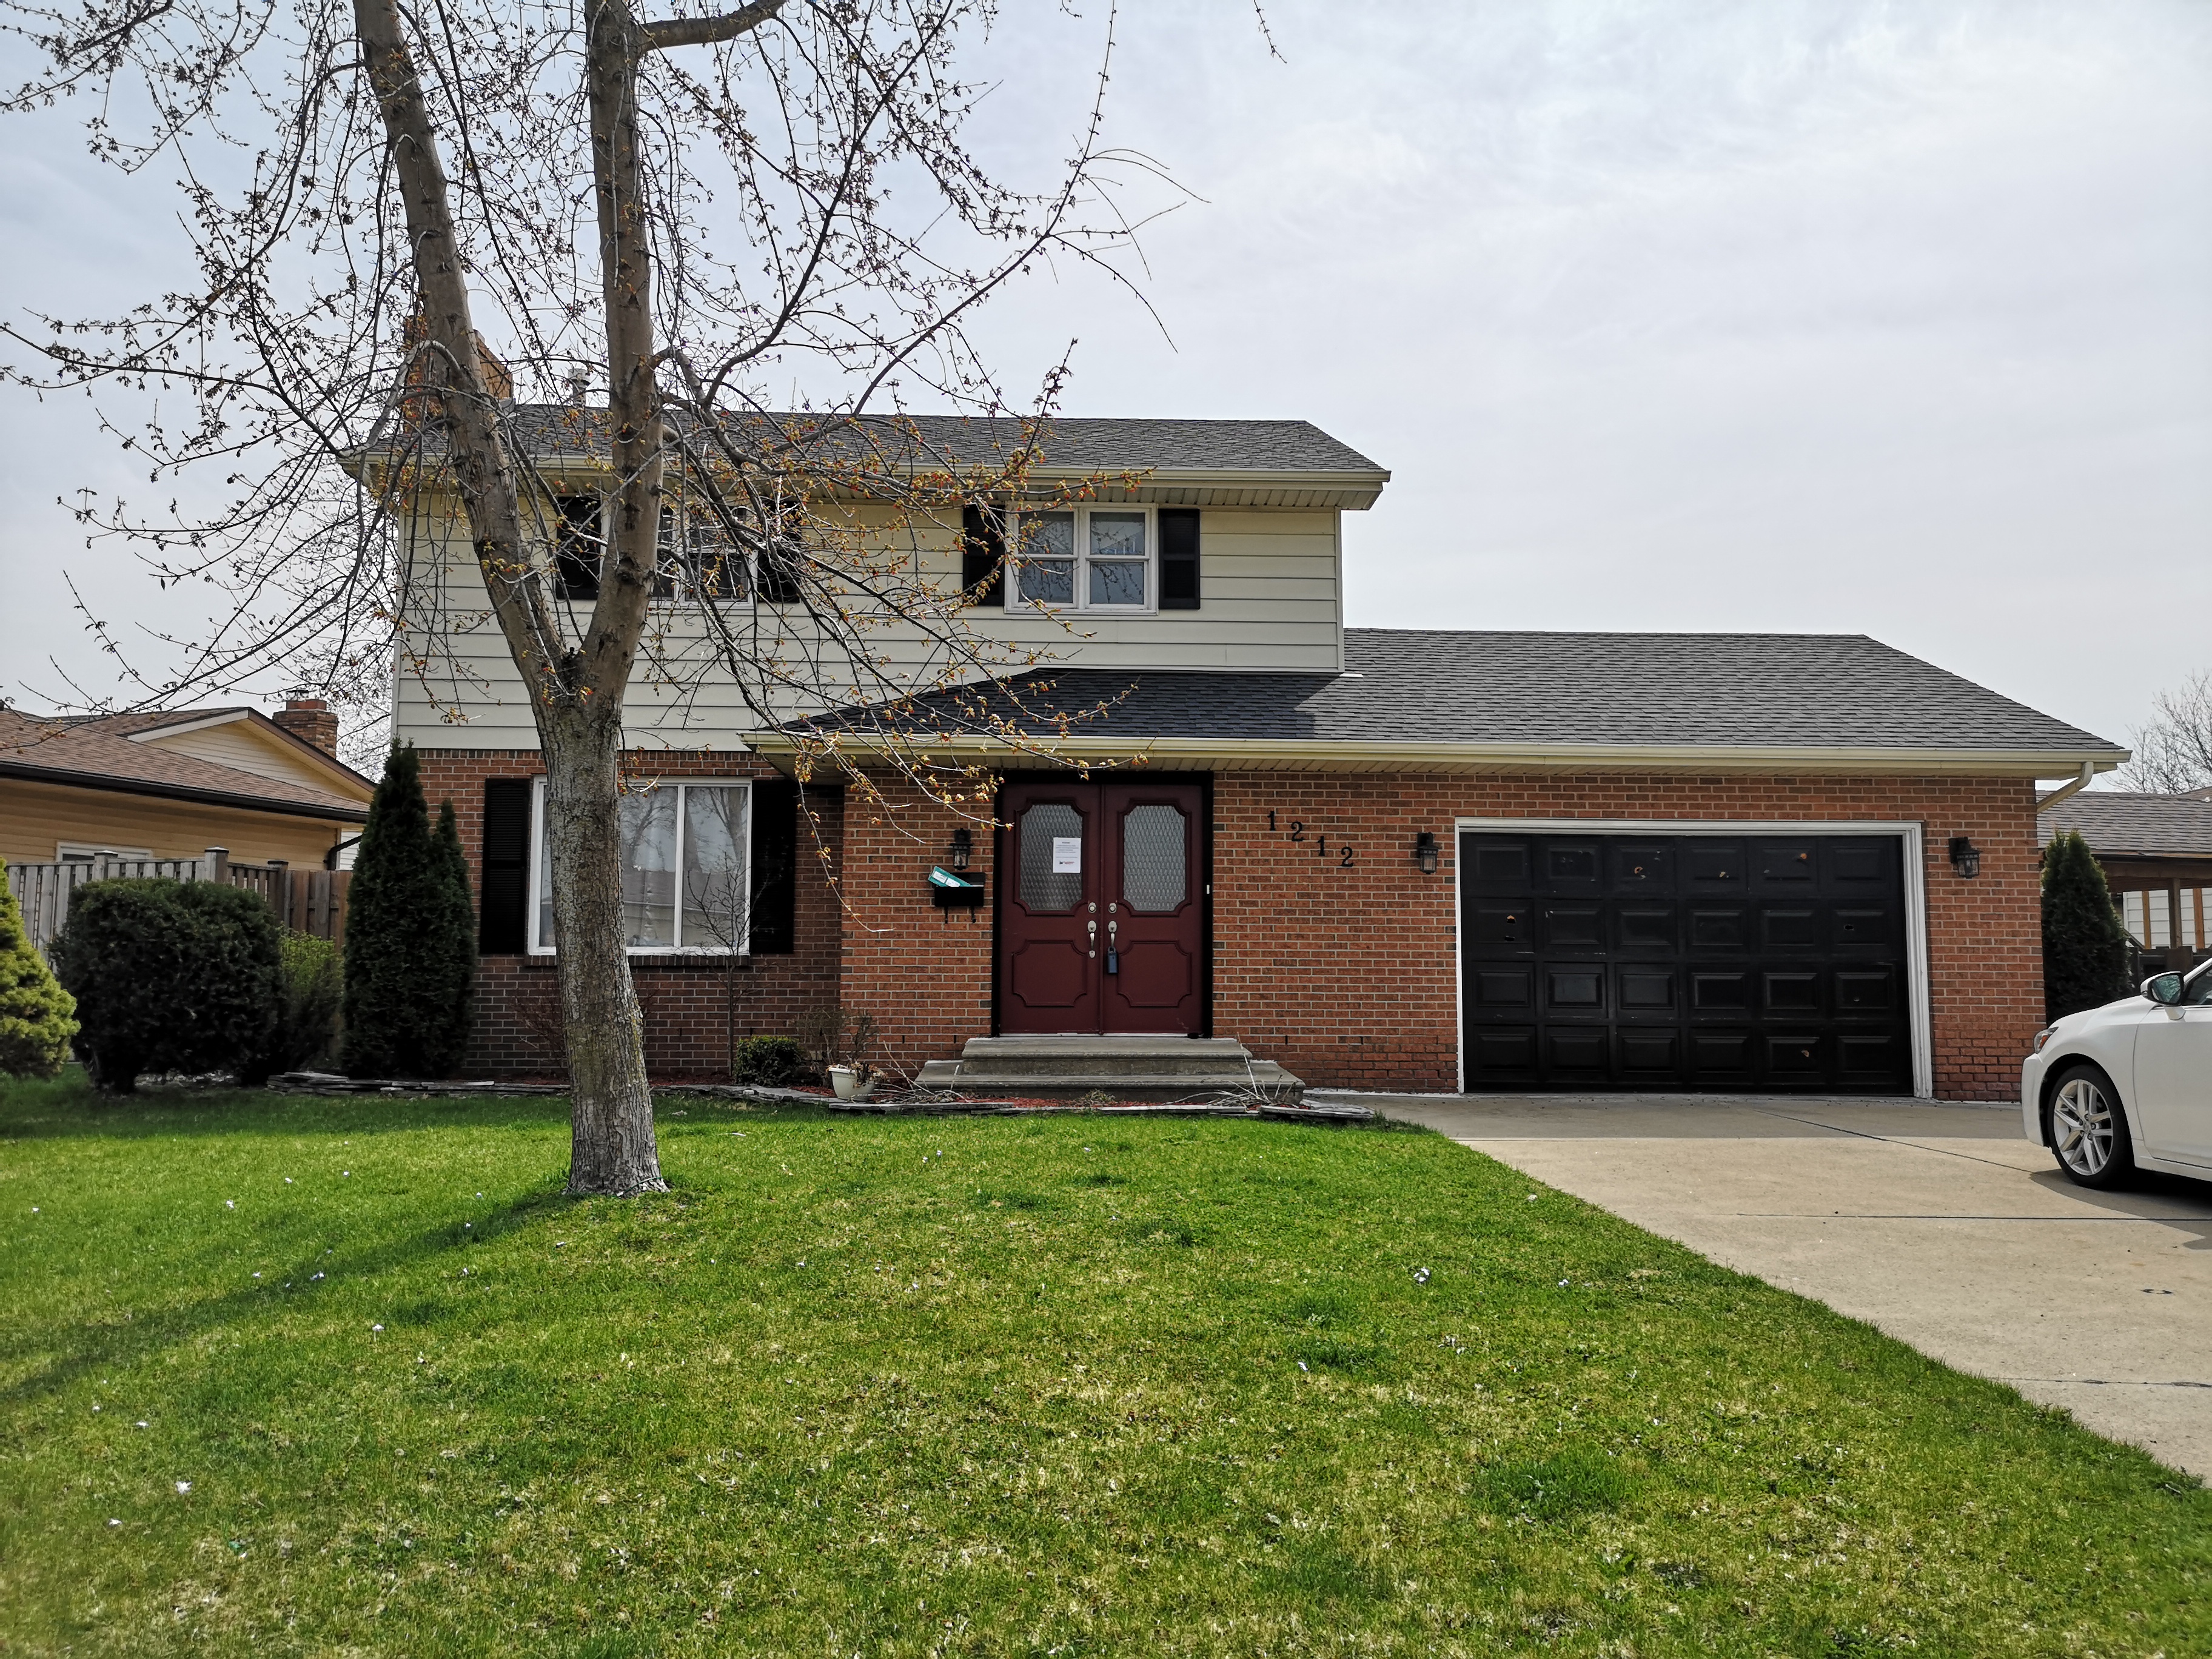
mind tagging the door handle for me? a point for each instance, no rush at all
(1094, 937)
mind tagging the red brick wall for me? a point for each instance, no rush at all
(924, 973)
(685, 997)
(1343, 974)
(1346, 975)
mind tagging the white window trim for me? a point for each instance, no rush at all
(1916, 901)
(538, 947)
(1081, 601)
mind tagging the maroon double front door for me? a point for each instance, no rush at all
(1102, 908)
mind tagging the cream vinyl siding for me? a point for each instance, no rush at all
(1270, 599)
(244, 746)
(35, 818)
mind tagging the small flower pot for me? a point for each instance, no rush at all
(849, 1083)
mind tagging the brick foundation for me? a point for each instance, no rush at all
(1343, 974)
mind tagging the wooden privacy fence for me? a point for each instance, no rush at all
(306, 901)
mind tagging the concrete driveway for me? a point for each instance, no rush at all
(1938, 1224)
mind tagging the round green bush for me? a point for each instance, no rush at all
(36, 1015)
(172, 977)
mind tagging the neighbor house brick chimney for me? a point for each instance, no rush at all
(311, 718)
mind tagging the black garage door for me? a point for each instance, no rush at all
(1698, 962)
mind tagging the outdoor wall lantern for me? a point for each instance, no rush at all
(963, 846)
(1965, 857)
(1424, 852)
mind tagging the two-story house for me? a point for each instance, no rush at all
(1412, 859)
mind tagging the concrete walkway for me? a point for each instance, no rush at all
(1938, 1224)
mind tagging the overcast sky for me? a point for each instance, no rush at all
(1814, 317)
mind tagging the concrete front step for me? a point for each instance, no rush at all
(1153, 1068)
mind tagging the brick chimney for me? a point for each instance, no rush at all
(311, 718)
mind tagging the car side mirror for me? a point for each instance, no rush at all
(2164, 989)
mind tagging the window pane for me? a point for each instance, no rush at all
(1155, 876)
(1047, 535)
(1044, 888)
(1119, 583)
(717, 896)
(544, 941)
(648, 867)
(1117, 535)
(1048, 557)
(1049, 584)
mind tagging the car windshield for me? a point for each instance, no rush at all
(2196, 992)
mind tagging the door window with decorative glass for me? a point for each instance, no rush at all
(1085, 558)
(686, 860)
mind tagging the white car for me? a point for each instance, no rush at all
(2127, 1086)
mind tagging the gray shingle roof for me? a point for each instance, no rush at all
(1783, 690)
(1082, 444)
(2116, 823)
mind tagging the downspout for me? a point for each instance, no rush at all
(2088, 771)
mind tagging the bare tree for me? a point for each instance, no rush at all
(2173, 753)
(672, 215)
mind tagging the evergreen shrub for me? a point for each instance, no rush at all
(172, 977)
(2085, 944)
(37, 1017)
(774, 1062)
(411, 939)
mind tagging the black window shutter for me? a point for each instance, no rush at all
(502, 929)
(1178, 558)
(775, 866)
(983, 553)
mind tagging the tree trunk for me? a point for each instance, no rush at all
(612, 1139)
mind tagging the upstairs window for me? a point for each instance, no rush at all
(698, 560)
(1086, 558)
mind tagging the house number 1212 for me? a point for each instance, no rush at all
(1298, 832)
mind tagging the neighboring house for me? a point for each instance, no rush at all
(2156, 851)
(1385, 859)
(169, 786)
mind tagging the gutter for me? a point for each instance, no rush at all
(100, 780)
(1297, 753)
(2088, 771)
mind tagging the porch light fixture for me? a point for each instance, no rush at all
(1424, 852)
(1966, 858)
(963, 847)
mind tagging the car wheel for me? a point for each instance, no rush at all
(2086, 1130)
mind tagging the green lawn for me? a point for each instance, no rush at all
(324, 1376)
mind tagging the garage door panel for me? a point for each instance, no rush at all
(1643, 990)
(1500, 868)
(1713, 927)
(1576, 991)
(1642, 867)
(1570, 868)
(1714, 867)
(1578, 927)
(1695, 961)
(1790, 927)
(1645, 929)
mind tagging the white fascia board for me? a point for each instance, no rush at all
(1296, 754)
(227, 717)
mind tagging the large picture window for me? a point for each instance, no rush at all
(686, 868)
(1085, 558)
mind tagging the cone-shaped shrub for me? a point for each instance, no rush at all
(2085, 946)
(410, 947)
(37, 1017)
(172, 977)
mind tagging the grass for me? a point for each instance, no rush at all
(990, 1386)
